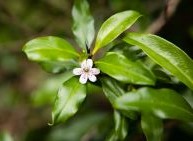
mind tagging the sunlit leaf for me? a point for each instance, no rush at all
(113, 27)
(83, 24)
(68, 100)
(166, 54)
(152, 127)
(50, 49)
(122, 69)
(163, 103)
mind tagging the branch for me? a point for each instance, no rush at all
(167, 13)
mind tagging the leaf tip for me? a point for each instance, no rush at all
(53, 120)
(50, 124)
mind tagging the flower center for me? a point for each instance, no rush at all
(86, 69)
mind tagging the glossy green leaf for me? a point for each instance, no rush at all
(83, 24)
(121, 128)
(133, 52)
(57, 67)
(161, 74)
(152, 127)
(45, 49)
(113, 27)
(112, 91)
(122, 69)
(47, 90)
(163, 103)
(68, 100)
(166, 54)
(53, 67)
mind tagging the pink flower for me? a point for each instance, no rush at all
(86, 71)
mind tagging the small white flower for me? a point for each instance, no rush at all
(86, 71)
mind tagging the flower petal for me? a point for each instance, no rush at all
(95, 71)
(83, 78)
(92, 78)
(84, 64)
(89, 63)
(77, 71)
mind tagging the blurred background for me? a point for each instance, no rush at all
(27, 92)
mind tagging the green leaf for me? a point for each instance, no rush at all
(111, 89)
(163, 103)
(162, 75)
(53, 49)
(5, 136)
(188, 95)
(57, 67)
(68, 100)
(122, 69)
(113, 27)
(78, 127)
(133, 52)
(166, 54)
(46, 92)
(83, 24)
(152, 127)
(121, 127)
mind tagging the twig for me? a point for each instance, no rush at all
(167, 13)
